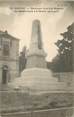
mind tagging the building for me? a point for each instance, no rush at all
(9, 57)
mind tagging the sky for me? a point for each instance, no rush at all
(19, 25)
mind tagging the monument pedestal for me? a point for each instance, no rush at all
(38, 80)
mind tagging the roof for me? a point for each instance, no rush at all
(6, 35)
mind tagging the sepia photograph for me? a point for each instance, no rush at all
(36, 58)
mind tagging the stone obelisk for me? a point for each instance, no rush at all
(36, 76)
(36, 55)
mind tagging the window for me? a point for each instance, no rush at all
(6, 48)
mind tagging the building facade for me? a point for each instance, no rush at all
(9, 57)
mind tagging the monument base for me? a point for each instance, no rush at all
(38, 80)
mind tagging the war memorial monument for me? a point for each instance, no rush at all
(37, 88)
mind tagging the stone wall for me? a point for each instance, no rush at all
(64, 76)
(59, 112)
(12, 101)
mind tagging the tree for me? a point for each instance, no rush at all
(22, 59)
(63, 62)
